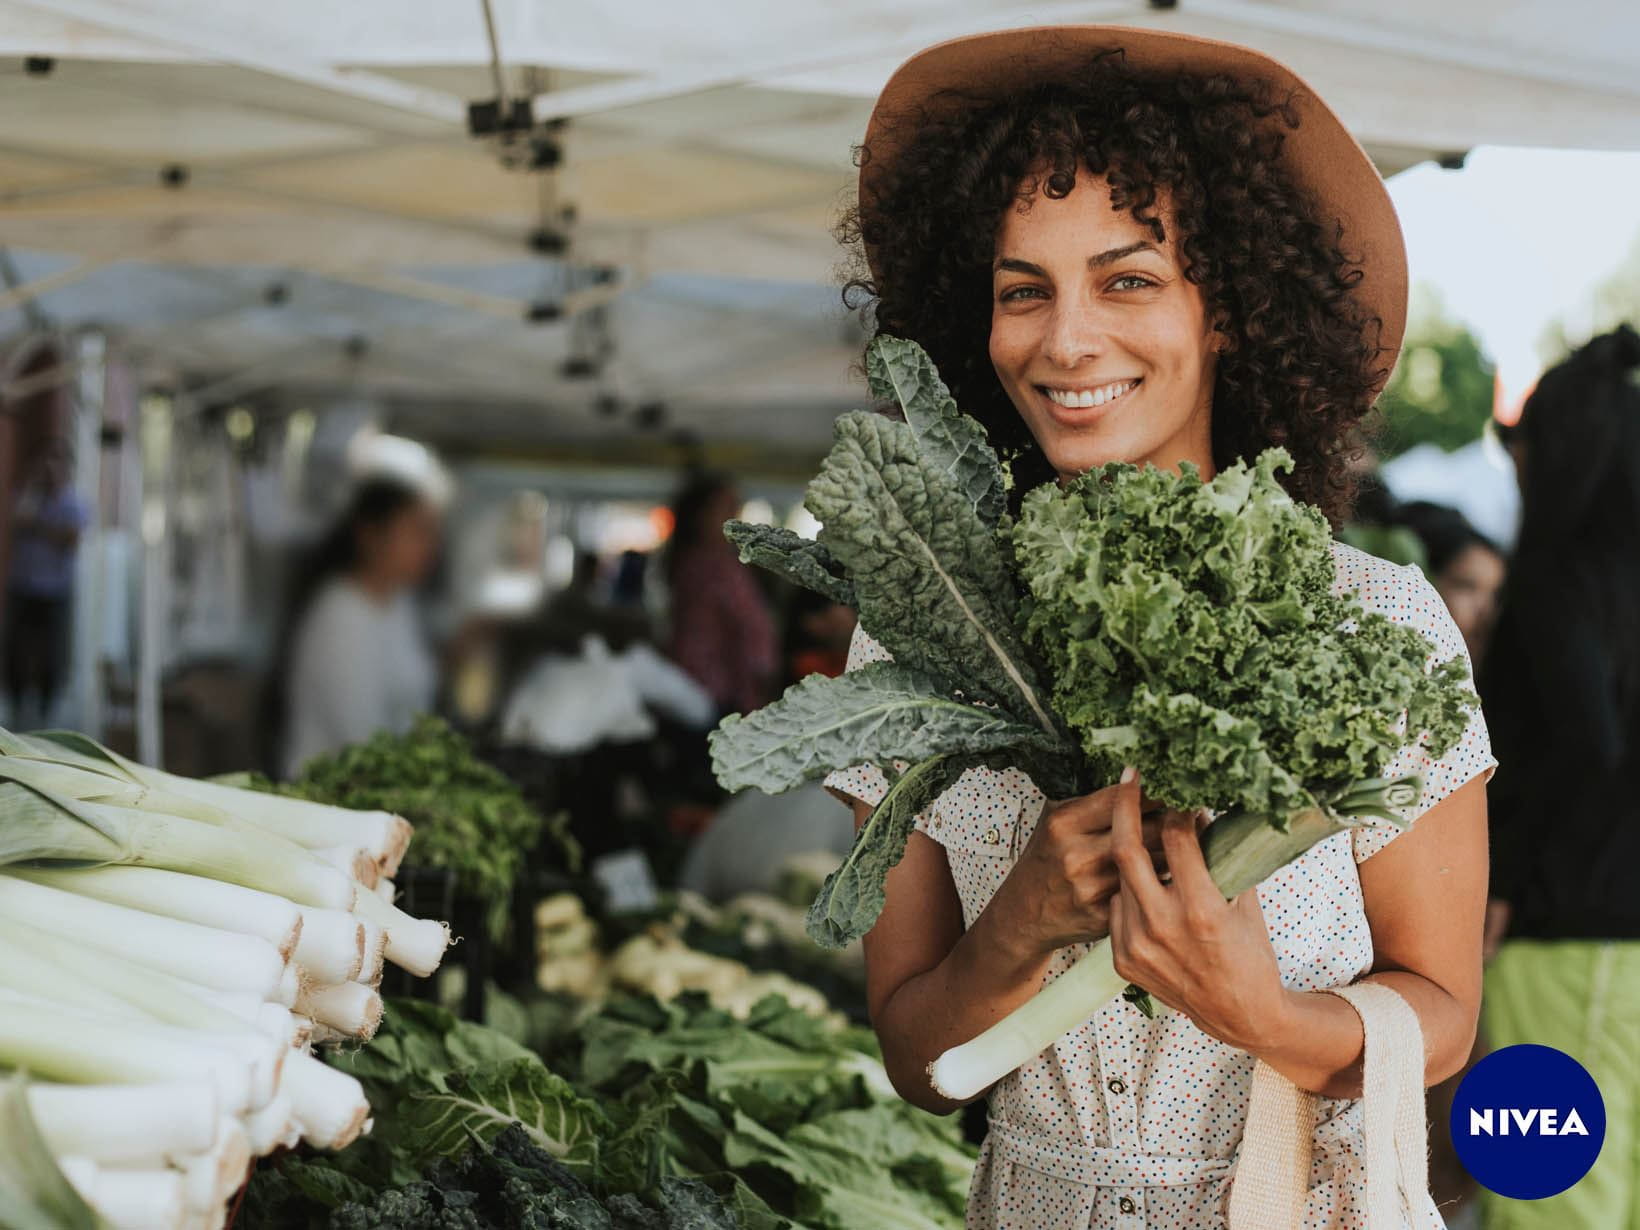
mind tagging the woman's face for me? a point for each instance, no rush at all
(1087, 308)
(1469, 585)
(400, 552)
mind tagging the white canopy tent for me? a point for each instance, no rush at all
(236, 190)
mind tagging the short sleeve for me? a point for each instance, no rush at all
(865, 782)
(1403, 595)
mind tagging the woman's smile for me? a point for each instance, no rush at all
(1077, 405)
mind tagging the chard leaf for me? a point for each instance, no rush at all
(852, 896)
(931, 578)
(800, 560)
(881, 713)
(901, 371)
(838, 1186)
(482, 1101)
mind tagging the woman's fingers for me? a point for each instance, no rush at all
(1134, 862)
(1187, 869)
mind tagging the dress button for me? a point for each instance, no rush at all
(1126, 1205)
(992, 836)
(1116, 1085)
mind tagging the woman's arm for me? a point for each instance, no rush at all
(1425, 897)
(930, 985)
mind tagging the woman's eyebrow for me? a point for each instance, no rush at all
(1010, 264)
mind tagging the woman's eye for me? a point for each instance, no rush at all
(1020, 292)
(1132, 277)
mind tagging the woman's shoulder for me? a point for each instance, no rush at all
(1399, 592)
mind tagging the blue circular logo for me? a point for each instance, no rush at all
(1528, 1121)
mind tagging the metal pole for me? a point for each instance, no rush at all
(154, 427)
(497, 69)
(88, 595)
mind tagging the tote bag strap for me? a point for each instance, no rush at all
(1272, 1174)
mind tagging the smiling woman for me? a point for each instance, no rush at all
(1132, 246)
(1107, 358)
(1200, 266)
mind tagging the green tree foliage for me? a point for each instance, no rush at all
(1442, 389)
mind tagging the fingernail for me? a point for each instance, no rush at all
(1128, 774)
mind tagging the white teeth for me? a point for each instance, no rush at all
(1084, 399)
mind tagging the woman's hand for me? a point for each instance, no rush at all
(1180, 939)
(1059, 891)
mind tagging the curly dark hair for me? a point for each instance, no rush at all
(1300, 367)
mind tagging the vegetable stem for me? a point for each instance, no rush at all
(1241, 849)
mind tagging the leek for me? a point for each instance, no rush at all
(195, 899)
(1241, 851)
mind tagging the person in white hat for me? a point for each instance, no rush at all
(1131, 245)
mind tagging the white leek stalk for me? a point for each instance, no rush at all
(414, 944)
(46, 826)
(313, 825)
(129, 1199)
(352, 861)
(63, 1044)
(375, 953)
(202, 954)
(289, 987)
(267, 1127)
(329, 1105)
(47, 966)
(353, 1009)
(195, 899)
(332, 945)
(125, 1123)
(210, 1177)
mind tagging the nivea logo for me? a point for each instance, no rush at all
(1544, 1121)
(1528, 1121)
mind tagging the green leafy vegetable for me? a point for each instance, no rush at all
(900, 371)
(1191, 629)
(930, 576)
(1188, 627)
(882, 713)
(800, 560)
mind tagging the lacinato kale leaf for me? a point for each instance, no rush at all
(929, 575)
(882, 713)
(901, 372)
(800, 560)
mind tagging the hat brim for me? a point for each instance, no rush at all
(1321, 154)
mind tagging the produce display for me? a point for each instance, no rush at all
(649, 1114)
(735, 954)
(1130, 617)
(469, 817)
(170, 953)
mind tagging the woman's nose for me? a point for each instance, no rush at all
(1075, 334)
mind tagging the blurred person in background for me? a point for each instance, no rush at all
(723, 633)
(1561, 685)
(818, 632)
(1466, 568)
(47, 520)
(357, 658)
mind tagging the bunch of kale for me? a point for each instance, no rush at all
(1130, 617)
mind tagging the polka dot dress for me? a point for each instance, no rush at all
(1128, 1122)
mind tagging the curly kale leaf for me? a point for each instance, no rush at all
(800, 560)
(901, 371)
(881, 713)
(1191, 628)
(931, 579)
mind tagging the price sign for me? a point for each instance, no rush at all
(626, 879)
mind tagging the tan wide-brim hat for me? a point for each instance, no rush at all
(1320, 153)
